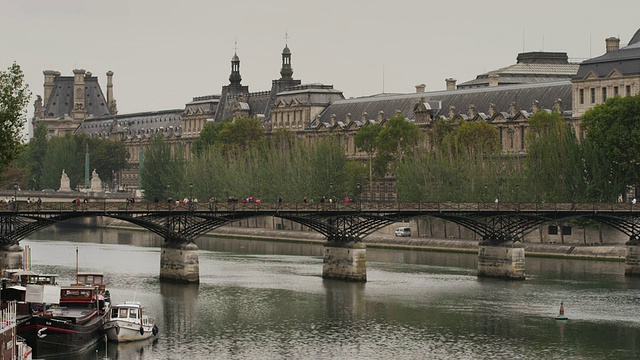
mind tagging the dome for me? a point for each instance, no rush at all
(235, 57)
(286, 50)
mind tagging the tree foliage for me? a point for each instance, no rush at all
(554, 166)
(242, 133)
(164, 172)
(14, 97)
(274, 168)
(614, 128)
(37, 152)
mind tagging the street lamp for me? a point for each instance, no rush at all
(518, 195)
(485, 192)
(168, 197)
(15, 195)
(190, 194)
(359, 188)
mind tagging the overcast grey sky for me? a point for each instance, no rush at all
(163, 53)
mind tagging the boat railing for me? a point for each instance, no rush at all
(8, 316)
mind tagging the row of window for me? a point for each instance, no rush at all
(616, 92)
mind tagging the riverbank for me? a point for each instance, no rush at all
(587, 252)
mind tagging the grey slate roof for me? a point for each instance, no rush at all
(530, 68)
(522, 94)
(144, 123)
(61, 101)
(626, 61)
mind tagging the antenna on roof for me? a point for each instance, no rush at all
(383, 78)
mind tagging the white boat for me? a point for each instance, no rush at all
(129, 323)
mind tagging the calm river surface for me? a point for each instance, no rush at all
(267, 300)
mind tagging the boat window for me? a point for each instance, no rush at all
(114, 313)
(133, 314)
(123, 313)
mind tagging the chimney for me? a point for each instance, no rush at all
(452, 112)
(420, 88)
(535, 107)
(348, 119)
(451, 83)
(472, 111)
(364, 117)
(109, 88)
(49, 77)
(513, 110)
(492, 109)
(493, 79)
(380, 116)
(78, 109)
(557, 106)
(333, 119)
(612, 44)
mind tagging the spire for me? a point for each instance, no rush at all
(235, 78)
(286, 72)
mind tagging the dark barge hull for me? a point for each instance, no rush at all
(62, 337)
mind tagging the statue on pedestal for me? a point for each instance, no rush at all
(64, 182)
(96, 183)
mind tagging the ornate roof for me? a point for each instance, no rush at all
(61, 102)
(440, 102)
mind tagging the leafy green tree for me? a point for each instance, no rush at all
(614, 127)
(554, 170)
(163, 173)
(209, 136)
(241, 133)
(62, 154)
(365, 140)
(37, 153)
(438, 132)
(398, 137)
(477, 138)
(14, 97)
(108, 157)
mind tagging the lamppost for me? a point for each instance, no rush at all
(485, 192)
(359, 194)
(15, 195)
(330, 199)
(191, 195)
(518, 195)
(168, 197)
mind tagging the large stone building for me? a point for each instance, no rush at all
(617, 72)
(505, 97)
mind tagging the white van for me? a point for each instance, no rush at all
(403, 231)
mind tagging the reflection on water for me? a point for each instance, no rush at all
(262, 300)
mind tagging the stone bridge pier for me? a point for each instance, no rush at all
(501, 260)
(632, 258)
(179, 262)
(345, 261)
(10, 256)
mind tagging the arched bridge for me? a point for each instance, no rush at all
(339, 222)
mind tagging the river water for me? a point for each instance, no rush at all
(267, 300)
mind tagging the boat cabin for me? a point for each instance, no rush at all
(86, 278)
(78, 295)
(130, 310)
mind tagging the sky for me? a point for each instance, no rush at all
(163, 53)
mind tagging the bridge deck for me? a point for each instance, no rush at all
(421, 207)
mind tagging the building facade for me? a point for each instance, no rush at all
(615, 73)
(505, 98)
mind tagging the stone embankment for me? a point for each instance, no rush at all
(610, 252)
(600, 251)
